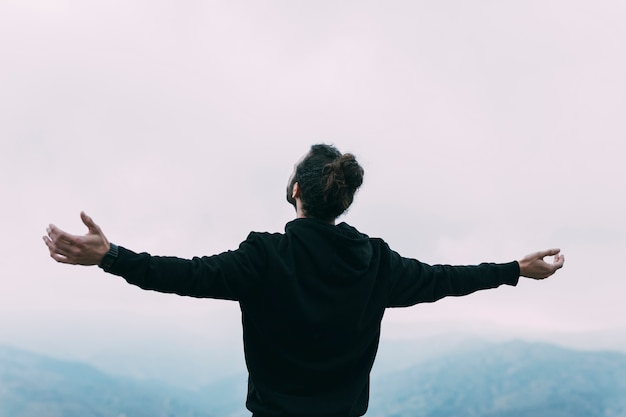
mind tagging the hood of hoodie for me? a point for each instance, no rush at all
(338, 252)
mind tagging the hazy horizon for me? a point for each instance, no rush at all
(486, 130)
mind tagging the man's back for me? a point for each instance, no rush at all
(312, 325)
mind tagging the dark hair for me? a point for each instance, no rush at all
(327, 181)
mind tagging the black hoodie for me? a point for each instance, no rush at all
(312, 300)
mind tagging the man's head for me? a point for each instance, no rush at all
(324, 181)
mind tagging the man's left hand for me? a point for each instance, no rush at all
(88, 249)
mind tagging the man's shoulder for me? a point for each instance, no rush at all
(351, 229)
(264, 238)
(265, 235)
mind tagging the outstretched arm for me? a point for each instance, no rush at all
(415, 282)
(230, 275)
(88, 249)
(534, 266)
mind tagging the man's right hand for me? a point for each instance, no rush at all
(88, 249)
(533, 265)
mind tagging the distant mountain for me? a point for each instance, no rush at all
(514, 379)
(38, 386)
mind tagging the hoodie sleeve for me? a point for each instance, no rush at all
(230, 275)
(412, 282)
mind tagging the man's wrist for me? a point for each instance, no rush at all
(522, 267)
(110, 257)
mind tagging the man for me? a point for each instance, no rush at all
(312, 298)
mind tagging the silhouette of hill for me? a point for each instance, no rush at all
(35, 385)
(514, 379)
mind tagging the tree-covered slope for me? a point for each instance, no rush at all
(507, 380)
(513, 379)
(34, 385)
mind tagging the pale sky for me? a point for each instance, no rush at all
(487, 130)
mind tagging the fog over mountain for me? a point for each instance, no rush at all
(173, 349)
(512, 379)
(37, 385)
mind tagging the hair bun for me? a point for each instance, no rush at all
(352, 172)
(328, 181)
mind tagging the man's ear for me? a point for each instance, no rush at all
(296, 191)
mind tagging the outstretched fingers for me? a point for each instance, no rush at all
(91, 225)
(534, 265)
(559, 260)
(63, 242)
(64, 247)
(55, 252)
(548, 252)
(57, 235)
(88, 249)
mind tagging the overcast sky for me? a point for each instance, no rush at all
(487, 130)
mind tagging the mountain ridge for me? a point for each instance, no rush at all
(509, 379)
